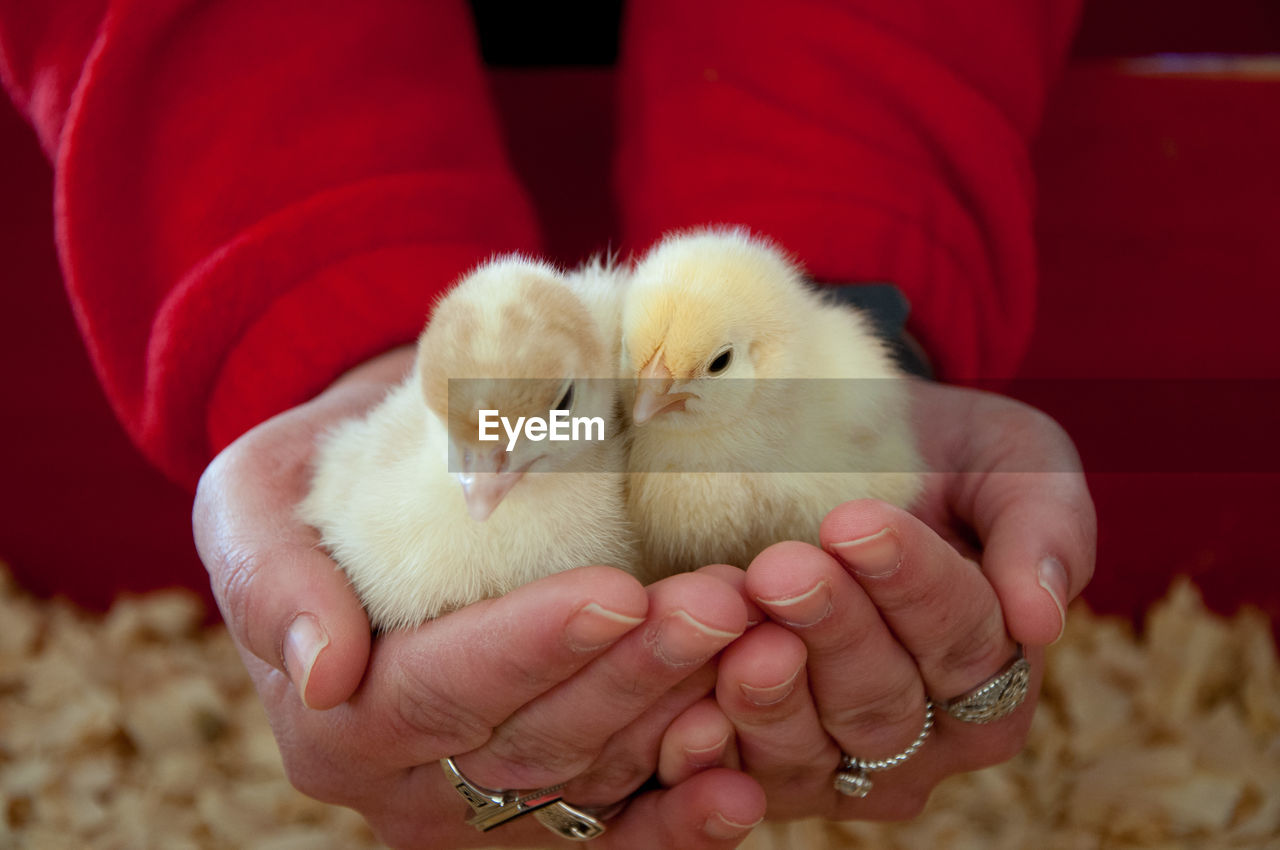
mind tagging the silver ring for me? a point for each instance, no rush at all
(853, 779)
(997, 697)
(491, 808)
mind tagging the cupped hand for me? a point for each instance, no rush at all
(573, 677)
(897, 608)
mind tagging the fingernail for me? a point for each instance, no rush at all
(303, 642)
(874, 556)
(681, 640)
(595, 626)
(804, 609)
(721, 828)
(706, 756)
(771, 695)
(1053, 578)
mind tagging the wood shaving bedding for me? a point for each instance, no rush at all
(140, 729)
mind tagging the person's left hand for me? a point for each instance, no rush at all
(896, 608)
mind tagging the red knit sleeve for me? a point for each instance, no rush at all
(252, 197)
(875, 139)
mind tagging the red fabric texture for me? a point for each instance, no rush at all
(253, 197)
(875, 140)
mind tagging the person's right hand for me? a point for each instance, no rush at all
(896, 609)
(571, 678)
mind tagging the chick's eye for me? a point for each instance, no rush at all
(566, 400)
(720, 362)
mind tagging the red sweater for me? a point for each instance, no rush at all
(252, 197)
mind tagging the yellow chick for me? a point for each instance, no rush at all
(450, 491)
(758, 405)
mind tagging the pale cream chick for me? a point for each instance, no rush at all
(422, 514)
(758, 407)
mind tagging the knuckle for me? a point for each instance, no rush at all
(218, 480)
(1012, 427)
(232, 580)
(234, 566)
(1038, 420)
(424, 712)
(933, 597)
(1017, 417)
(897, 703)
(618, 775)
(532, 752)
(528, 675)
(211, 479)
(975, 653)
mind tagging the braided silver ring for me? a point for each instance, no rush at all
(853, 778)
(997, 697)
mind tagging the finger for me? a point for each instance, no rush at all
(442, 689)
(280, 596)
(557, 736)
(867, 688)
(714, 809)
(736, 578)
(1040, 534)
(630, 758)
(762, 689)
(699, 739)
(1030, 507)
(938, 604)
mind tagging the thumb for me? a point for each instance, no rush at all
(283, 600)
(1039, 553)
(1036, 520)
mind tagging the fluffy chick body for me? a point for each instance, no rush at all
(809, 412)
(390, 510)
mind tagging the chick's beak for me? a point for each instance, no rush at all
(653, 394)
(485, 481)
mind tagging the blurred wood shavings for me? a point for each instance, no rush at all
(140, 729)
